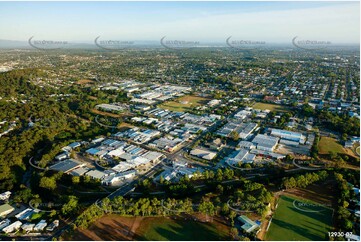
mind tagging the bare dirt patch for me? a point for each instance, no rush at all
(110, 227)
(84, 81)
(320, 193)
(96, 111)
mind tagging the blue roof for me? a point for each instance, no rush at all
(281, 131)
(92, 151)
(74, 145)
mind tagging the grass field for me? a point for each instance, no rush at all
(185, 103)
(300, 219)
(270, 106)
(328, 144)
(113, 227)
(169, 229)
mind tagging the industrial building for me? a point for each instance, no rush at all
(245, 130)
(116, 178)
(248, 225)
(4, 223)
(5, 195)
(203, 153)
(289, 135)
(241, 155)
(66, 165)
(242, 114)
(28, 227)
(265, 142)
(25, 214)
(41, 225)
(12, 227)
(246, 145)
(6, 209)
(53, 225)
(167, 144)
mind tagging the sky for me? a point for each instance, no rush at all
(272, 22)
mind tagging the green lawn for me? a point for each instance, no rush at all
(184, 104)
(169, 229)
(290, 223)
(328, 144)
(270, 106)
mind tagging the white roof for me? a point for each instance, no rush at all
(95, 174)
(140, 160)
(41, 225)
(116, 152)
(205, 154)
(122, 166)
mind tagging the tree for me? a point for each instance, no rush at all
(231, 216)
(71, 206)
(75, 180)
(161, 179)
(48, 183)
(207, 208)
(234, 135)
(234, 233)
(219, 189)
(225, 209)
(23, 196)
(86, 179)
(52, 213)
(333, 155)
(219, 175)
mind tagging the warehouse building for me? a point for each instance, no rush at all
(66, 165)
(246, 129)
(12, 227)
(5, 195)
(246, 145)
(247, 224)
(203, 153)
(4, 223)
(116, 178)
(53, 225)
(265, 142)
(241, 155)
(289, 135)
(41, 225)
(28, 227)
(5, 210)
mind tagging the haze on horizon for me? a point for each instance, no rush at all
(274, 22)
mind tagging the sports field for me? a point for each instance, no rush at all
(169, 229)
(300, 219)
(328, 144)
(114, 227)
(184, 104)
(270, 106)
